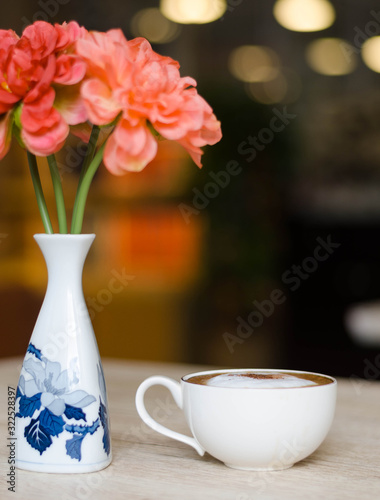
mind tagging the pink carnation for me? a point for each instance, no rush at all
(34, 72)
(56, 76)
(129, 79)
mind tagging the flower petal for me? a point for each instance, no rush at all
(31, 388)
(42, 36)
(79, 399)
(57, 407)
(44, 81)
(117, 35)
(5, 134)
(35, 369)
(7, 100)
(70, 69)
(47, 140)
(68, 33)
(52, 371)
(62, 382)
(47, 398)
(101, 107)
(8, 38)
(39, 114)
(70, 105)
(130, 148)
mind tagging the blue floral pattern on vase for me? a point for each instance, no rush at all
(48, 401)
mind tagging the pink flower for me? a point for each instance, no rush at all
(54, 77)
(128, 79)
(7, 97)
(35, 72)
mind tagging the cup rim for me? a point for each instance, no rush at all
(186, 378)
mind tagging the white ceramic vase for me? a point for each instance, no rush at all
(62, 420)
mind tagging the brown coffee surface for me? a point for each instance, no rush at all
(317, 379)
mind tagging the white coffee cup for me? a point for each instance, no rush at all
(250, 428)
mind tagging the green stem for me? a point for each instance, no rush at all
(90, 152)
(39, 193)
(86, 162)
(76, 226)
(59, 199)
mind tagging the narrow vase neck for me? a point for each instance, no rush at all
(64, 255)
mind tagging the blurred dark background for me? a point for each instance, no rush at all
(257, 259)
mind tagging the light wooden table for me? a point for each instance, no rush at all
(149, 466)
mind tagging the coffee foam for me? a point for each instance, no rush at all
(258, 379)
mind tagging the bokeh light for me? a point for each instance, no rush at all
(331, 56)
(285, 88)
(254, 63)
(371, 53)
(193, 11)
(153, 26)
(304, 15)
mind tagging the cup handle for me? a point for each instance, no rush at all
(176, 391)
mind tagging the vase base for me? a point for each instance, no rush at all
(63, 469)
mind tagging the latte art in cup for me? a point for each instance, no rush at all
(247, 381)
(257, 380)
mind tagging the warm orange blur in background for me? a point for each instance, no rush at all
(191, 277)
(141, 239)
